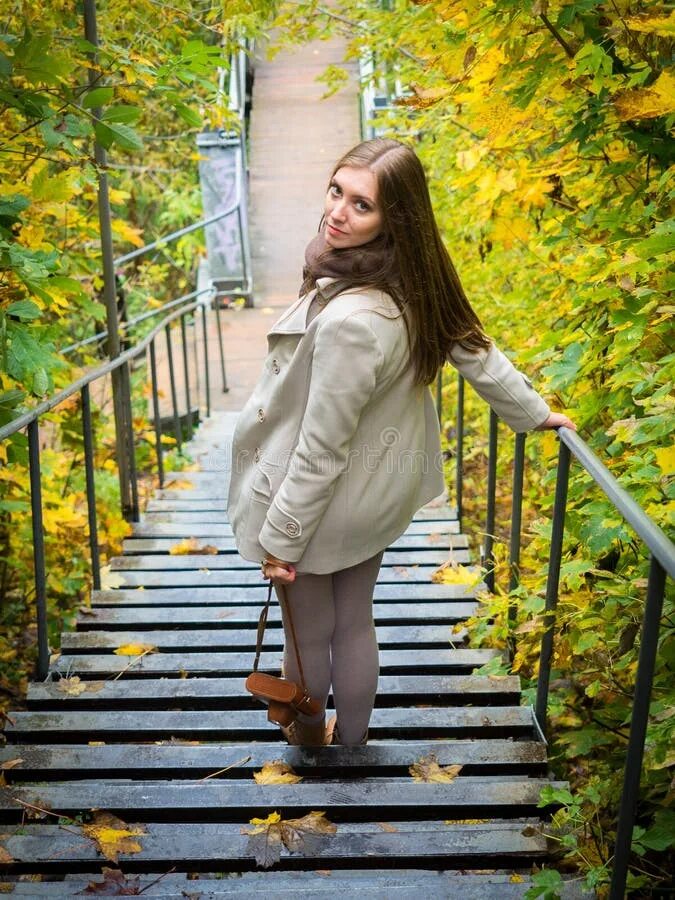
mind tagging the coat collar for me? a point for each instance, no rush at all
(294, 319)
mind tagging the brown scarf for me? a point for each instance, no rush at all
(369, 263)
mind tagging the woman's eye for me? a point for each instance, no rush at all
(335, 190)
(361, 206)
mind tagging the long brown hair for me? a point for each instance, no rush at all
(419, 274)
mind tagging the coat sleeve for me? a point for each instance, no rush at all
(498, 382)
(345, 364)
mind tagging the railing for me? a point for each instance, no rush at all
(31, 419)
(662, 563)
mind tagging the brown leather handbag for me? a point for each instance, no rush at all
(284, 698)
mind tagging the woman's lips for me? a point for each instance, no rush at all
(333, 230)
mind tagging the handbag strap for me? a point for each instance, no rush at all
(262, 623)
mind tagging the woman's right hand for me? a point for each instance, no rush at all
(557, 420)
(278, 570)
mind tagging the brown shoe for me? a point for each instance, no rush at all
(306, 734)
(333, 735)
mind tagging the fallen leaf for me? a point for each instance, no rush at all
(179, 484)
(427, 769)
(135, 649)
(5, 856)
(451, 573)
(466, 821)
(303, 836)
(115, 884)
(110, 580)
(325, 873)
(74, 686)
(516, 879)
(96, 743)
(112, 836)
(192, 546)
(87, 611)
(435, 537)
(11, 764)
(402, 571)
(276, 772)
(385, 826)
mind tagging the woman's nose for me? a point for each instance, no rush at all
(338, 210)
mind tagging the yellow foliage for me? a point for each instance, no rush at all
(647, 103)
(192, 546)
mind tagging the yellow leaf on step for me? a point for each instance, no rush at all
(179, 484)
(190, 546)
(427, 769)
(135, 649)
(276, 772)
(112, 836)
(451, 573)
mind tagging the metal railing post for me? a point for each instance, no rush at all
(516, 528)
(121, 400)
(488, 557)
(638, 727)
(207, 383)
(134, 512)
(221, 349)
(88, 442)
(174, 396)
(186, 376)
(156, 414)
(38, 549)
(459, 458)
(552, 583)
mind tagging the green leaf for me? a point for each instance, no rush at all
(24, 309)
(117, 133)
(561, 374)
(545, 884)
(40, 382)
(127, 115)
(98, 97)
(188, 115)
(10, 399)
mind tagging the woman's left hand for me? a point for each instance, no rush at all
(557, 420)
(278, 570)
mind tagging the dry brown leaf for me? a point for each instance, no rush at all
(302, 835)
(135, 649)
(427, 769)
(115, 884)
(386, 826)
(74, 686)
(276, 772)
(112, 836)
(179, 484)
(11, 763)
(87, 611)
(192, 546)
(5, 856)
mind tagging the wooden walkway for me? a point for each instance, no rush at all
(138, 735)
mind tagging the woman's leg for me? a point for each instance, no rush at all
(310, 598)
(355, 659)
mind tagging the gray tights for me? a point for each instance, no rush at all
(333, 618)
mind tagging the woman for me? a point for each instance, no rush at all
(339, 445)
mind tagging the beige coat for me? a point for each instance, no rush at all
(337, 448)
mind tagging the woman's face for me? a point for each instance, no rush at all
(353, 216)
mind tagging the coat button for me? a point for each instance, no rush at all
(292, 529)
(275, 366)
(256, 455)
(261, 415)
